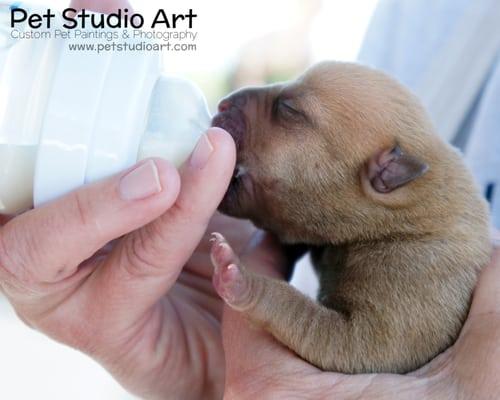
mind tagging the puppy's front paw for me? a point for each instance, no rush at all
(230, 280)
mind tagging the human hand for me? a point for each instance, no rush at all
(257, 366)
(128, 302)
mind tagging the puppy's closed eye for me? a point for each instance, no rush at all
(286, 109)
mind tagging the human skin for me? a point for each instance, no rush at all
(256, 364)
(112, 269)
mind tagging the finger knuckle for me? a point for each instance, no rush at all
(138, 260)
(84, 211)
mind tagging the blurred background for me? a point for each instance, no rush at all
(257, 42)
(240, 43)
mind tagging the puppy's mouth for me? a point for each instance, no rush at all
(239, 172)
(234, 122)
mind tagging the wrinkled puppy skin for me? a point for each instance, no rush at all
(344, 162)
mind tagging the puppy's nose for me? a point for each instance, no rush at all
(238, 100)
(224, 105)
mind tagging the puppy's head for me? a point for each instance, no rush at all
(342, 153)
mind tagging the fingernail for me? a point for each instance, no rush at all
(141, 182)
(201, 153)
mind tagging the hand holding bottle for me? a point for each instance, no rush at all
(128, 302)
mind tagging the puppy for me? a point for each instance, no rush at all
(344, 162)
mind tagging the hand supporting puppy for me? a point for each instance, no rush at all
(259, 367)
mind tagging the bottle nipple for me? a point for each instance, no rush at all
(178, 116)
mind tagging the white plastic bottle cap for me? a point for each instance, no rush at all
(178, 116)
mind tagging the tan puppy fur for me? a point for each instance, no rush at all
(345, 161)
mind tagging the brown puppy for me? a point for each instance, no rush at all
(345, 161)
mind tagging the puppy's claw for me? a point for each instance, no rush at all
(217, 237)
(221, 252)
(229, 282)
(228, 277)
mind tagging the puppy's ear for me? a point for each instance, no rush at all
(391, 169)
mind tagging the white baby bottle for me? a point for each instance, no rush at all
(69, 117)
